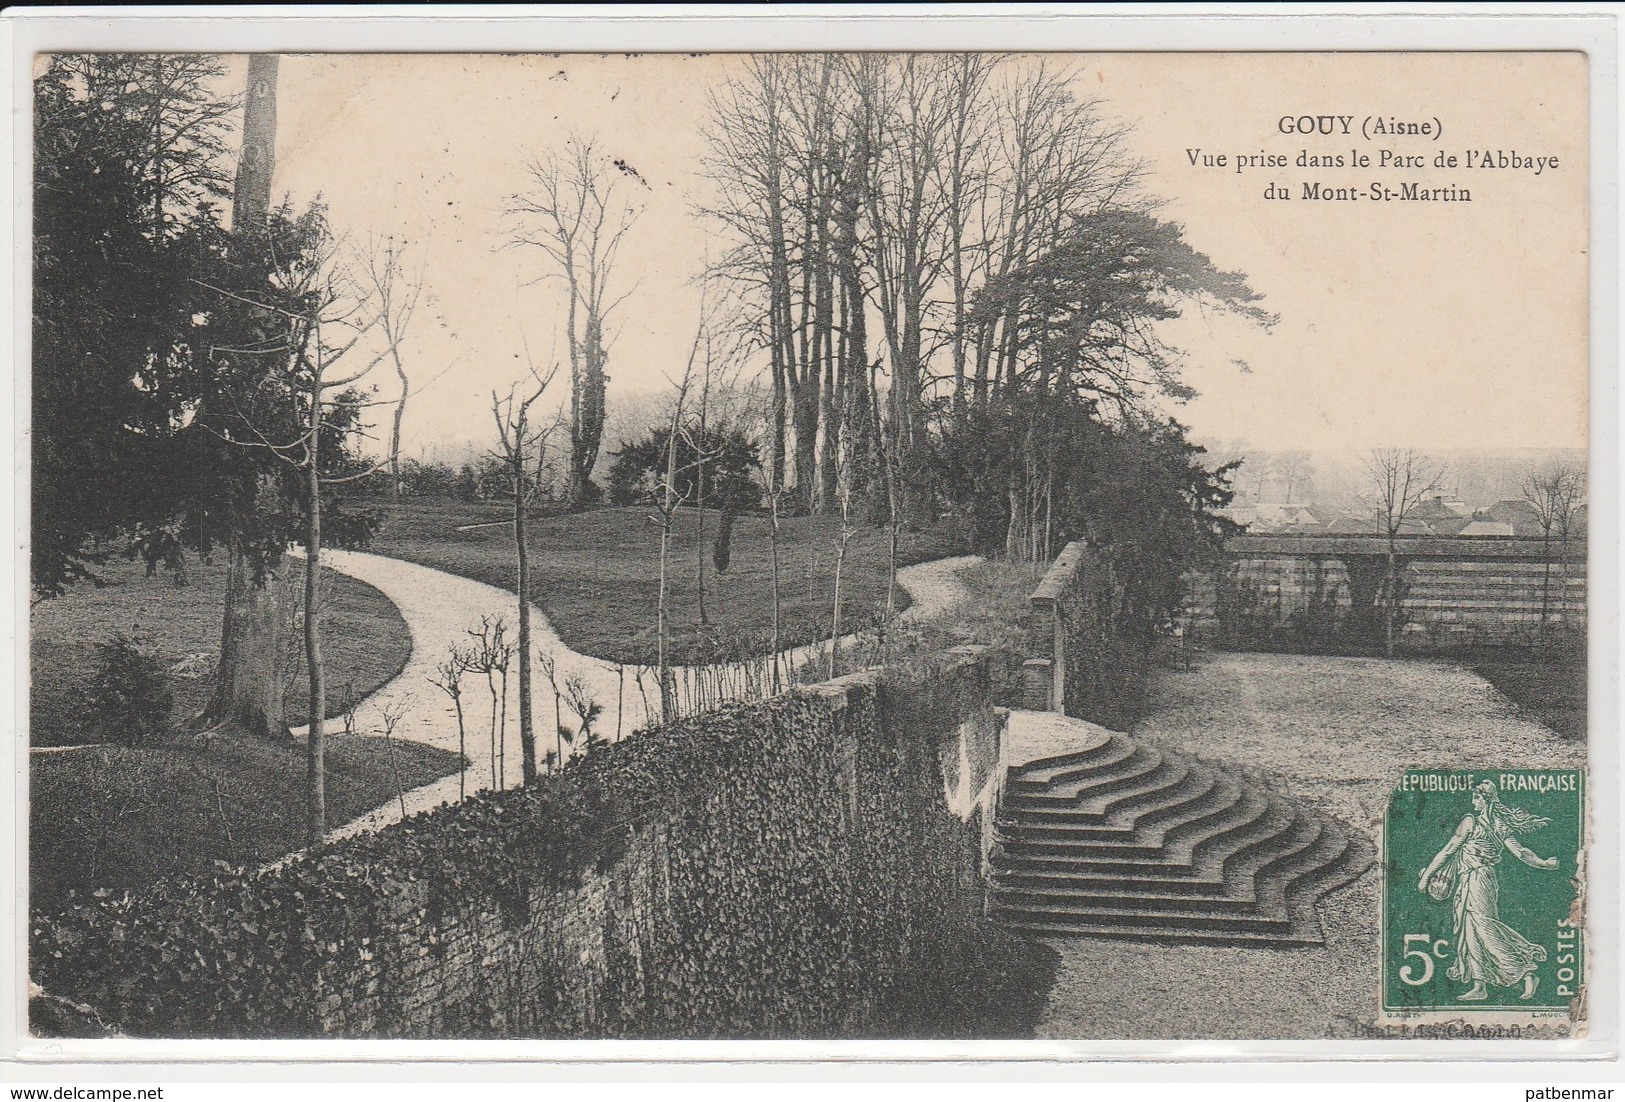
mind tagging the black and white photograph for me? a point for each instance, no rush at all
(809, 547)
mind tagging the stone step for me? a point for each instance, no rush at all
(1256, 880)
(1123, 839)
(1200, 826)
(1016, 898)
(1163, 880)
(1172, 781)
(1128, 916)
(1159, 935)
(1114, 756)
(1043, 771)
(1341, 859)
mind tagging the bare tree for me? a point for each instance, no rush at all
(670, 498)
(390, 715)
(334, 319)
(522, 451)
(847, 531)
(577, 214)
(550, 670)
(851, 186)
(491, 654)
(383, 267)
(449, 680)
(1397, 481)
(1295, 471)
(1555, 491)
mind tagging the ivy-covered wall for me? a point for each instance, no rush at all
(808, 866)
(1079, 662)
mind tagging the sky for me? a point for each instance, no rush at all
(1438, 325)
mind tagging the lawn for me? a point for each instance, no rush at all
(111, 817)
(107, 816)
(1552, 690)
(597, 573)
(365, 642)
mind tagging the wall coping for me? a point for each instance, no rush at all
(1411, 547)
(1060, 574)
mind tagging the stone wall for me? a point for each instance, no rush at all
(808, 866)
(1458, 594)
(1078, 660)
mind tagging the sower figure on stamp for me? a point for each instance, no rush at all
(1487, 950)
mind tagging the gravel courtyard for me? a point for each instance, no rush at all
(1335, 733)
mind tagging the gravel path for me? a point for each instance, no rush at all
(1335, 733)
(439, 609)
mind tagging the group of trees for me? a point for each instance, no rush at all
(958, 287)
(944, 260)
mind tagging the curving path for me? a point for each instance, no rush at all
(439, 608)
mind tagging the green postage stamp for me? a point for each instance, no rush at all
(1484, 896)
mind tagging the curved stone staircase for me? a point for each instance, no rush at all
(1122, 839)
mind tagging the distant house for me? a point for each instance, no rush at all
(1438, 507)
(1282, 517)
(1243, 515)
(1521, 515)
(1450, 526)
(1350, 524)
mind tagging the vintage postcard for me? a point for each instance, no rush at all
(805, 547)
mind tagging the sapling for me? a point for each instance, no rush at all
(490, 655)
(449, 680)
(392, 714)
(347, 706)
(518, 439)
(587, 710)
(775, 490)
(550, 670)
(670, 498)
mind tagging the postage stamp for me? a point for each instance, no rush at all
(1484, 896)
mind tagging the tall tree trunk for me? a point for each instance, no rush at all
(829, 412)
(773, 539)
(251, 681)
(254, 638)
(316, 796)
(527, 725)
(668, 510)
(804, 413)
(1392, 599)
(396, 488)
(776, 419)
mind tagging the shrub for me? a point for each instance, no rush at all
(129, 696)
(730, 458)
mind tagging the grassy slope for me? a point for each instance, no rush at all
(366, 642)
(1553, 692)
(112, 817)
(115, 817)
(597, 573)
